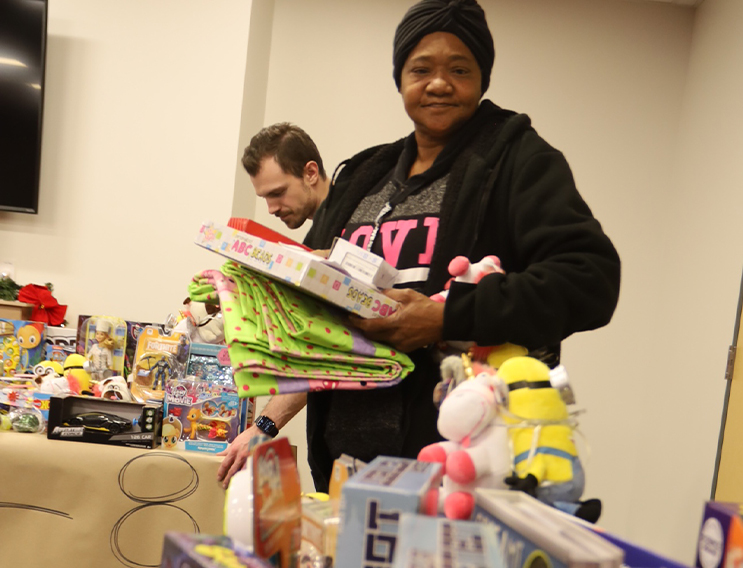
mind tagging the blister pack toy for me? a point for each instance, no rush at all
(160, 357)
(104, 342)
(133, 331)
(200, 415)
(21, 345)
(209, 362)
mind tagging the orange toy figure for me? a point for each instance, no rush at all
(29, 337)
(172, 429)
(193, 417)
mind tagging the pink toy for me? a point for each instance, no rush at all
(476, 452)
(462, 270)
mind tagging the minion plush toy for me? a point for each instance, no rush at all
(546, 461)
(74, 365)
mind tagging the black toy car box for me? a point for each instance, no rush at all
(104, 421)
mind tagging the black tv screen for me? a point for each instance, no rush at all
(22, 59)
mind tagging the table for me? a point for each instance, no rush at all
(75, 504)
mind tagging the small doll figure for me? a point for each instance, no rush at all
(101, 353)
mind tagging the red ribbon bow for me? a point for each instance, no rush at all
(46, 308)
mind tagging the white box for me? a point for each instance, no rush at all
(528, 528)
(362, 264)
(308, 272)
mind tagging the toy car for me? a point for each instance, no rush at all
(99, 422)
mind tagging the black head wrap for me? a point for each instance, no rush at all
(463, 18)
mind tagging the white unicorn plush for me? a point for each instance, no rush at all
(476, 451)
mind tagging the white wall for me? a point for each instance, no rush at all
(141, 122)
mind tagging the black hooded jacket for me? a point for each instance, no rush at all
(510, 194)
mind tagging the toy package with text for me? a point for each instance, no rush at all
(720, 542)
(104, 342)
(211, 363)
(529, 529)
(429, 541)
(200, 415)
(309, 272)
(372, 502)
(21, 346)
(276, 503)
(159, 358)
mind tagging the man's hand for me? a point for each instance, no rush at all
(236, 455)
(281, 408)
(418, 322)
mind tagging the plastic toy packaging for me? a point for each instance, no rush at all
(28, 420)
(104, 339)
(200, 415)
(4, 421)
(160, 357)
(21, 346)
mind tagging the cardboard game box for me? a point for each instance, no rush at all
(372, 502)
(300, 268)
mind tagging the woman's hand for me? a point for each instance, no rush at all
(418, 322)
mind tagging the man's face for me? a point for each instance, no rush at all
(288, 197)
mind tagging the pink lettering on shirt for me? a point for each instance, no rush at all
(391, 246)
(433, 227)
(362, 233)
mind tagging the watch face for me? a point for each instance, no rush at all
(267, 425)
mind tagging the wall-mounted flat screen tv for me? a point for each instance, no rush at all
(23, 26)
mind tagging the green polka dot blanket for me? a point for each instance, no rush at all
(281, 340)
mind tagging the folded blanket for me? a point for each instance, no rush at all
(281, 340)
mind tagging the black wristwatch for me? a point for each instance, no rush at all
(265, 424)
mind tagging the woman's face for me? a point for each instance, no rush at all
(440, 85)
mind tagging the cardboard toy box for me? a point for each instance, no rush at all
(435, 541)
(297, 267)
(144, 433)
(22, 346)
(263, 509)
(205, 551)
(362, 264)
(529, 529)
(372, 502)
(720, 536)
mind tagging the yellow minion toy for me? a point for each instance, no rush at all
(73, 365)
(546, 463)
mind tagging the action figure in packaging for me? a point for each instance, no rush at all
(159, 358)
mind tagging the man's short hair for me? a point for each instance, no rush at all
(288, 144)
